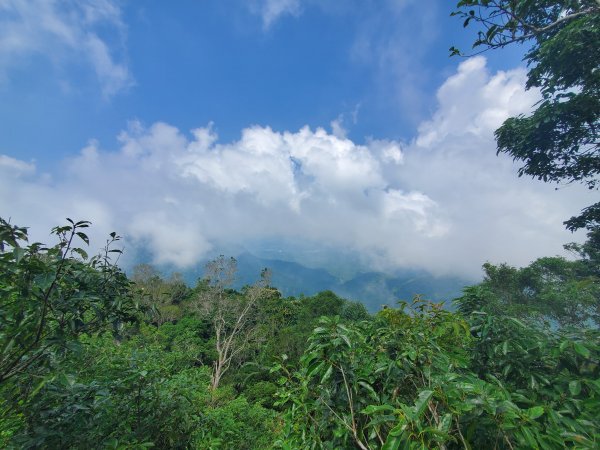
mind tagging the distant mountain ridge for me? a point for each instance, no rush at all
(373, 289)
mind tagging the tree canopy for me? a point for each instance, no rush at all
(560, 140)
(515, 365)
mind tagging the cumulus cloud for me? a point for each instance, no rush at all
(64, 32)
(493, 214)
(442, 202)
(476, 112)
(179, 195)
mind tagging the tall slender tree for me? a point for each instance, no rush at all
(232, 315)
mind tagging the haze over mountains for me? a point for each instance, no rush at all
(373, 289)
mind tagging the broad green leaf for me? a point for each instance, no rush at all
(377, 408)
(529, 437)
(40, 385)
(422, 401)
(346, 339)
(327, 374)
(392, 442)
(518, 322)
(398, 429)
(382, 418)
(81, 252)
(314, 368)
(575, 387)
(581, 349)
(18, 253)
(445, 423)
(535, 412)
(83, 237)
(370, 389)
(576, 437)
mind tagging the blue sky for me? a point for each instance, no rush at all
(190, 63)
(325, 122)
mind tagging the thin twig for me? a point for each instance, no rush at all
(462, 438)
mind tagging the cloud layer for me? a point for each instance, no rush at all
(443, 202)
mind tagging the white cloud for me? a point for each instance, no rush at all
(389, 151)
(180, 195)
(64, 32)
(272, 10)
(15, 167)
(337, 127)
(479, 111)
(443, 202)
(494, 215)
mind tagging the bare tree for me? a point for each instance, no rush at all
(233, 316)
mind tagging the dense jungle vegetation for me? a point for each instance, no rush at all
(92, 359)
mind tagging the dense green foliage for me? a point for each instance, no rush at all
(427, 378)
(551, 292)
(507, 369)
(559, 142)
(51, 295)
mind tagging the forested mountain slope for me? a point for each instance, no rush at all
(373, 289)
